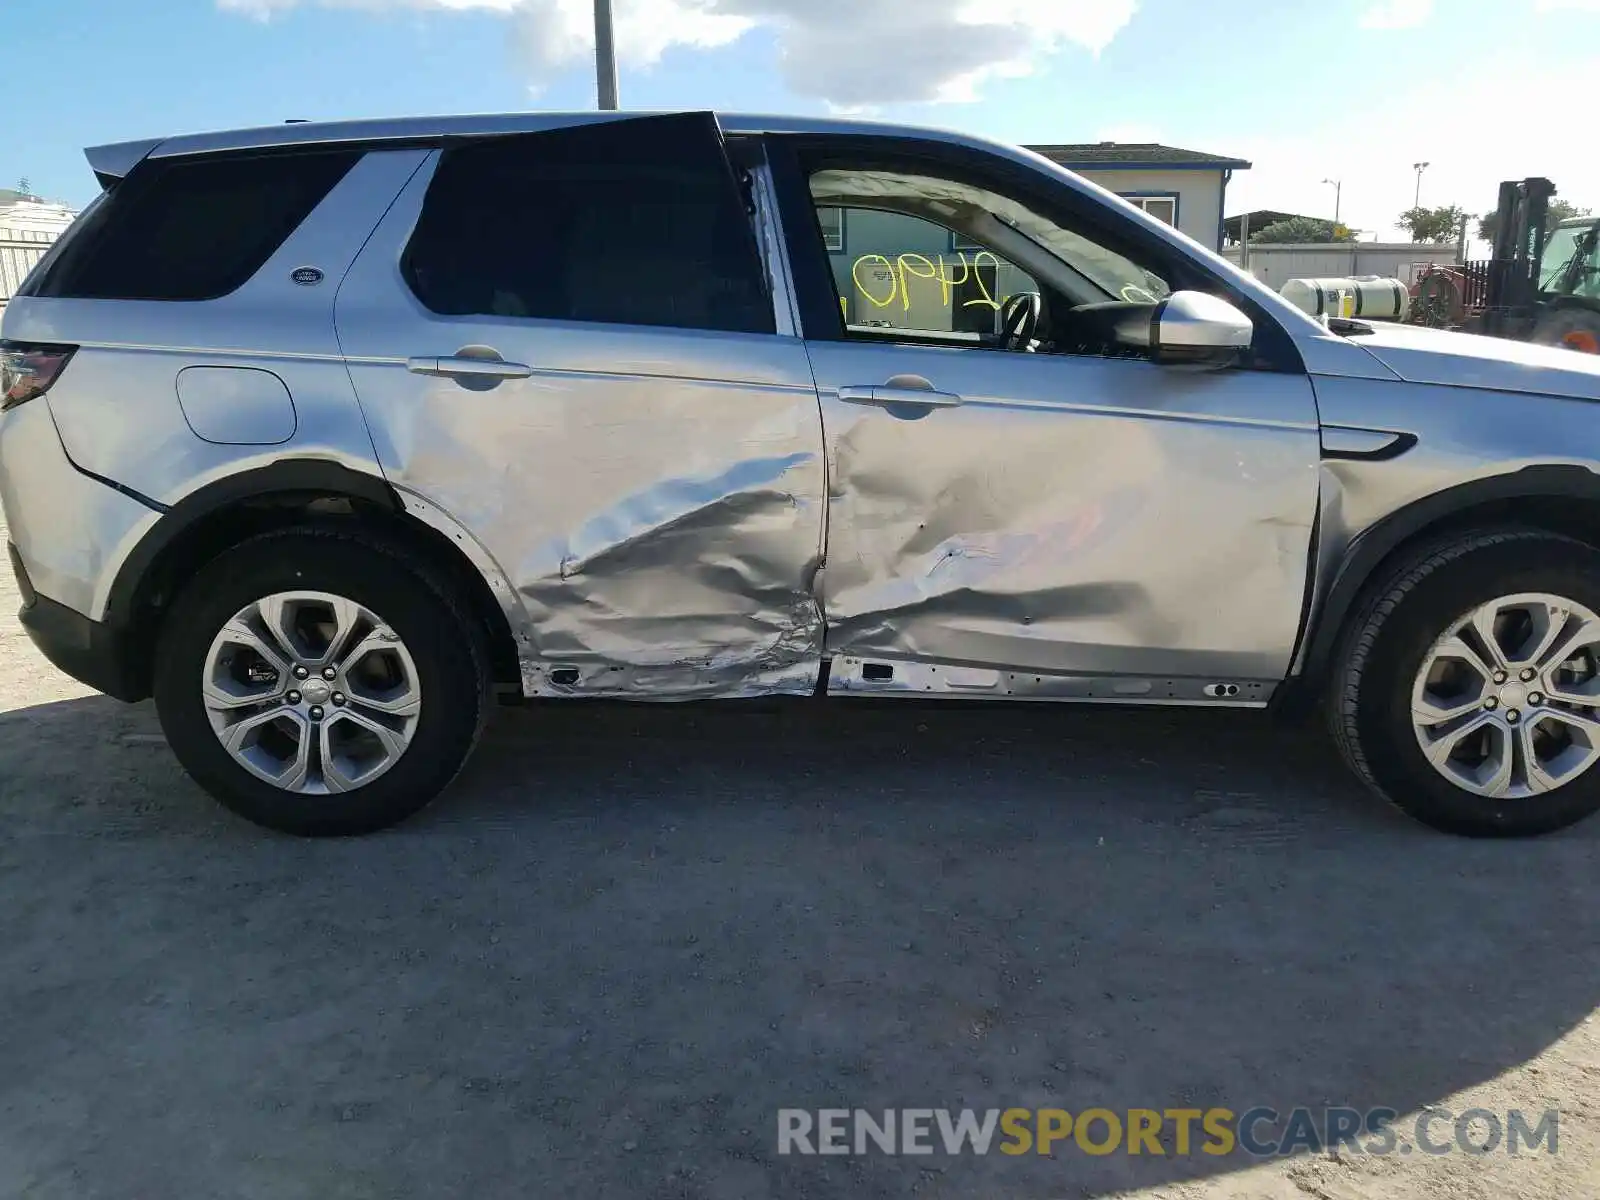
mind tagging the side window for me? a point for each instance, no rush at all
(907, 272)
(942, 257)
(633, 222)
(190, 229)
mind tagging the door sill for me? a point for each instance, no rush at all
(885, 677)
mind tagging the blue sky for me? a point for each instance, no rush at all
(1353, 89)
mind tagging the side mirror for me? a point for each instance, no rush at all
(1190, 327)
(1197, 327)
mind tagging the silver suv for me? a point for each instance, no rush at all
(324, 435)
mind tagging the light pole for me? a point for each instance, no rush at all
(605, 56)
(1338, 194)
(1419, 168)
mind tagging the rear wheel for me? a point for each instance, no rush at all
(319, 684)
(1571, 328)
(1469, 688)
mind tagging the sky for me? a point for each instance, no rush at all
(1352, 90)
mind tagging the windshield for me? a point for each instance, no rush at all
(1558, 254)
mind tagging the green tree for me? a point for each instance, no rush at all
(1302, 229)
(1560, 210)
(1436, 225)
(25, 186)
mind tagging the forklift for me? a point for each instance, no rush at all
(1540, 286)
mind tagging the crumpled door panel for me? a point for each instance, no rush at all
(1069, 515)
(660, 534)
(646, 502)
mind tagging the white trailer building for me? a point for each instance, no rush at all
(28, 227)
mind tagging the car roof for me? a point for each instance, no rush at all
(114, 160)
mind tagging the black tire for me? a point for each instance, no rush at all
(1570, 328)
(1369, 705)
(446, 645)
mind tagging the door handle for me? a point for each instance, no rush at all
(895, 392)
(457, 366)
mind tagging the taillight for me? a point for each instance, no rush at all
(27, 370)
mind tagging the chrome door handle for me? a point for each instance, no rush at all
(457, 366)
(900, 394)
(896, 393)
(856, 395)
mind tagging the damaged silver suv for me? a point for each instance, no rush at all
(324, 435)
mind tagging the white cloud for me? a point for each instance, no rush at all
(1552, 6)
(1397, 14)
(1372, 143)
(551, 35)
(850, 53)
(264, 9)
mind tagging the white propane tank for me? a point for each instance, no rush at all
(1369, 297)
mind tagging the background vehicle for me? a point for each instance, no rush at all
(1538, 287)
(325, 435)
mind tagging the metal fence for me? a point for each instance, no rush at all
(1475, 275)
(20, 249)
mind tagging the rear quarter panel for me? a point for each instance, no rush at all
(116, 405)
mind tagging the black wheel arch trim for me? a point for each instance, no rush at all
(1367, 553)
(286, 477)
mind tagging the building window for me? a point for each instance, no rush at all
(832, 221)
(1163, 208)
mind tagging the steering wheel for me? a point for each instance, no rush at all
(1019, 320)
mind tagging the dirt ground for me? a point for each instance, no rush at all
(627, 937)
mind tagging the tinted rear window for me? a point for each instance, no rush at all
(190, 229)
(634, 222)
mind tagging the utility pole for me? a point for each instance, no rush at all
(605, 55)
(1338, 194)
(1419, 168)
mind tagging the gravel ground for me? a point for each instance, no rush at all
(627, 937)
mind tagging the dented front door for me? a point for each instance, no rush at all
(1061, 526)
(650, 494)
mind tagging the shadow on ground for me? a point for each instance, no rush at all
(627, 937)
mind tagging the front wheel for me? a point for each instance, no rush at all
(1570, 328)
(320, 684)
(1468, 688)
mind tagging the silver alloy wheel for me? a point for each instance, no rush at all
(1507, 701)
(311, 692)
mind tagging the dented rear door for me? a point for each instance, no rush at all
(564, 346)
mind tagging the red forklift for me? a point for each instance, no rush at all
(1541, 285)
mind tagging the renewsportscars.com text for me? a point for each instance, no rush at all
(1260, 1132)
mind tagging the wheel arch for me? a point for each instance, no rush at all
(282, 494)
(1557, 499)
